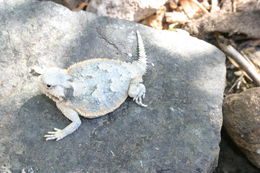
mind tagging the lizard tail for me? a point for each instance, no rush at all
(142, 60)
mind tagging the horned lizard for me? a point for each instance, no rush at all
(93, 88)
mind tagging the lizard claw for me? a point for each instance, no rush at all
(138, 100)
(139, 97)
(57, 135)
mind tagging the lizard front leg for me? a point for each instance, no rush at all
(137, 91)
(73, 116)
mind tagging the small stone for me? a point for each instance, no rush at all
(242, 122)
(71, 4)
(258, 151)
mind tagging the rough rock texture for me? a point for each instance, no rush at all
(232, 23)
(133, 10)
(242, 122)
(179, 131)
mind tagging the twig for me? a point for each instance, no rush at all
(214, 5)
(248, 67)
(201, 7)
(236, 83)
(234, 5)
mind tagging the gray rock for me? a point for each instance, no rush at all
(241, 120)
(133, 10)
(178, 132)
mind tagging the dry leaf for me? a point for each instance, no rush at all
(206, 4)
(176, 17)
(156, 21)
(192, 8)
(82, 6)
(173, 5)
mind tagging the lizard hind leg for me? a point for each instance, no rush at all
(137, 92)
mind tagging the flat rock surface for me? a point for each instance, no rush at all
(179, 131)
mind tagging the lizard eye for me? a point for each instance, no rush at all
(48, 86)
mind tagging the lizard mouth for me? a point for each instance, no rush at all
(51, 96)
(54, 98)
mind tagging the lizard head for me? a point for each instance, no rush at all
(54, 82)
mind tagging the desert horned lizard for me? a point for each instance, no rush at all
(93, 88)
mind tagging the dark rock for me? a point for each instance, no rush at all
(231, 159)
(178, 132)
(241, 120)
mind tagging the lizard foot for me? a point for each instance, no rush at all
(57, 135)
(137, 91)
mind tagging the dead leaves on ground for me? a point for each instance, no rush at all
(178, 12)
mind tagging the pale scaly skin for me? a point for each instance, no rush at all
(79, 90)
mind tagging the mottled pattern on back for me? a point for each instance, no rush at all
(101, 84)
